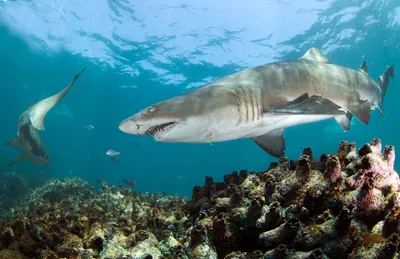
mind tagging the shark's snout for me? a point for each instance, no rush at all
(129, 126)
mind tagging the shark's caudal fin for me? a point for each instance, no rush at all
(40, 109)
(363, 110)
(383, 82)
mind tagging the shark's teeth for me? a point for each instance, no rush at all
(159, 129)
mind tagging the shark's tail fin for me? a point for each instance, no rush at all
(39, 110)
(383, 82)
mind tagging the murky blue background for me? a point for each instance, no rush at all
(141, 52)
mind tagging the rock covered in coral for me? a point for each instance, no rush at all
(69, 219)
(343, 205)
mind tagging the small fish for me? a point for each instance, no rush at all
(102, 182)
(113, 152)
(131, 183)
(88, 127)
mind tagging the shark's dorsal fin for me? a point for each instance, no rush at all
(364, 68)
(315, 54)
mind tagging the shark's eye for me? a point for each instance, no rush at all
(138, 126)
(151, 109)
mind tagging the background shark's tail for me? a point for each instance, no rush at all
(383, 82)
(39, 110)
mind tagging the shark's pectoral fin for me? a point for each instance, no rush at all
(344, 120)
(13, 142)
(362, 111)
(17, 159)
(273, 143)
(300, 99)
(307, 105)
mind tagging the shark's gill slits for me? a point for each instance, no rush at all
(155, 130)
(244, 113)
(249, 104)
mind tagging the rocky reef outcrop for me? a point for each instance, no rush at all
(342, 205)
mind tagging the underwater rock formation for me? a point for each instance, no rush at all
(343, 205)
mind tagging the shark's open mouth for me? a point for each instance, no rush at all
(160, 129)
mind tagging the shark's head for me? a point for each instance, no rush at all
(29, 142)
(163, 121)
(194, 117)
(40, 159)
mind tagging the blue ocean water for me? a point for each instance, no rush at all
(141, 52)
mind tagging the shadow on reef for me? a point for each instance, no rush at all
(344, 205)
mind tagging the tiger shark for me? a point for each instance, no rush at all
(31, 120)
(260, 102)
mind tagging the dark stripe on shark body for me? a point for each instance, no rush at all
(238, 107)
(257, 106)
(245, 106)
(253, 103)
(258, 98)
(240, 95)
(249, 101)
(248, 104)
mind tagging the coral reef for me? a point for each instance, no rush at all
(13, 188)
(68, 218)
(343, 205)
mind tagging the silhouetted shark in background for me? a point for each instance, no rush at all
(28, 139)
